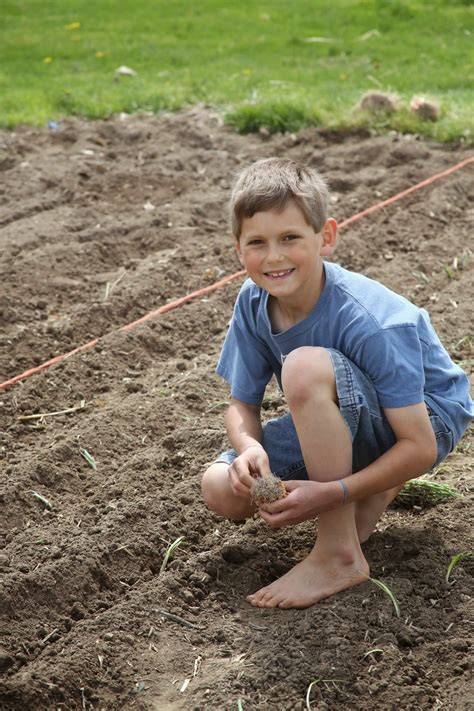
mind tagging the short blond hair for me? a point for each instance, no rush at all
(270, 183)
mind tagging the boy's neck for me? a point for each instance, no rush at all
(285, 313)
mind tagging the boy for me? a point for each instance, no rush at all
(374, 399)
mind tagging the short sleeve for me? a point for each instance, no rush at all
(393, 360)
(243, 360)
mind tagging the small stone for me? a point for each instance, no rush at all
(187, 595)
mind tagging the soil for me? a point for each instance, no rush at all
(102, 222)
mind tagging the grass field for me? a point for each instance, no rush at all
(276, 63)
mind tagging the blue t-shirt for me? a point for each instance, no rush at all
(390, 339)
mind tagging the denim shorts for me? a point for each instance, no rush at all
(370, 431)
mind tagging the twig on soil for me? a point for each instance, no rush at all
(257, 627)
(125, 548)
(40, 415)
(110, 286)
(454, 561)
(176, 618)
(43, 641)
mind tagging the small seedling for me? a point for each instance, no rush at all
(372, 652)
(43, 500)
(169, 552)
(454, 561)
(216, 405)
(266, 489)
(89, 458)
(449, 271)
(388, 592)
(423, 492)
(326, 683)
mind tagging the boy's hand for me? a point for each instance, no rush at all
(306, 499)
(243, 470)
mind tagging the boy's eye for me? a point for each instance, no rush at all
(290, 237)
(255, 242)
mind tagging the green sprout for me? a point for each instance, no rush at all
(454, 561)
(326, 683)
(388, 592)
(169, 552)
(372, 652)
(43, 500)
(88, 457)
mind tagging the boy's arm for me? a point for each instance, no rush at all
(413, 453)
(244, 430)
(243, 424)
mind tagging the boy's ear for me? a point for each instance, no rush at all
(238, 250)
(329, 234)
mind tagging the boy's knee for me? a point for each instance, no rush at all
(209, 486)
(218, 496)
(308, 372)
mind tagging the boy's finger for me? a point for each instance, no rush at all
(278, 506)
(293, 484)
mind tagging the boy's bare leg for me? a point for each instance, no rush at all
(369, 511)
(336, 561)
(217, 494)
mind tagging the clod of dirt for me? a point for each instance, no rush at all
(378, 102)
(425, 110)
(233, 553)
(266, 489)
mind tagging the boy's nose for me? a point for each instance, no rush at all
(274, 254)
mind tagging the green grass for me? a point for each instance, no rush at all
(423, 493)
(256, 61)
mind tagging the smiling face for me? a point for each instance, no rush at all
(284, 255)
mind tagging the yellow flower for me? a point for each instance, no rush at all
(247, 72)
(73, 26)
(47, 60)
(99, 55)
(343, 77)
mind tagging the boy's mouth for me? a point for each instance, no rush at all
(280, 274)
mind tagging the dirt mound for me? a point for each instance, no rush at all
(101, 222)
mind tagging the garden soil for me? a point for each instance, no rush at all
(101, 223)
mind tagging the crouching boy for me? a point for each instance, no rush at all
(374, 398)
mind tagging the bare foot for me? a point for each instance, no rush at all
(370, 510)
(314, 579)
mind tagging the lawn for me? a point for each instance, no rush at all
(276, 63)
